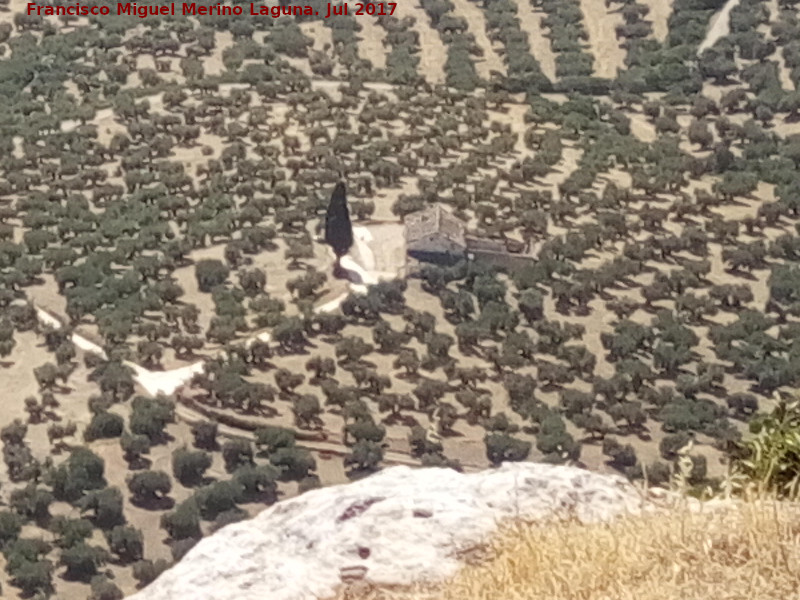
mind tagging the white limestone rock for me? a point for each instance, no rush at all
(399, 526)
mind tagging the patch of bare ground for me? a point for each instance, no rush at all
(786, 129)
(466, 444)
(73, 407)
(660, 11)
(213, 64)
(320, 35)
(149, 61)
(530, 22)
(46, 295)
(642, 128)
(600, 23)
(192, 157)
(476, 25)
(714, 92)
(385, 197)
(568, 163)
(512, 114)
(330, 469)
(747, 207)
(13, 7)
(433, 52)
(16, 372)
(277, 279)
(371, 41)
(107, 126)
(684, 120)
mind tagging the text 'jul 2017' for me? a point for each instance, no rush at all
(222, 10)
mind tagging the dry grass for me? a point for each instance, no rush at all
(745, 550)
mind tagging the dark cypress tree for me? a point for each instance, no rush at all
(338, 230)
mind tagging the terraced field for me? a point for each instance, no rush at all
(432, 50)
(476, 25)
(600, 21)
(531, 25)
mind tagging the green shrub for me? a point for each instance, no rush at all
(107, 505)
(82, 561)
(150, 416)
(10, 526)
(34, 577)
(126, 542)
(771, 460)
(501, 447)
(237, 452)
(104, 589)
(69, 532)
(24, 550)
(104, 425)
(181, 547)
(189, 466)
(81, 472)
(183, 522)
(32, 502)
(146, 571)
(218, 497)
(149, 486)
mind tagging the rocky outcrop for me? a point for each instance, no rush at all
(399, 526)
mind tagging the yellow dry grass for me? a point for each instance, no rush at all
(737, 551)
(747, 552)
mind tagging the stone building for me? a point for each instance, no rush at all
(436, 235)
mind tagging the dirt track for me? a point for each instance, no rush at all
(720, 26)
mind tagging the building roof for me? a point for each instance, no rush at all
(432, 220)
(477, 244)
(506, 245)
